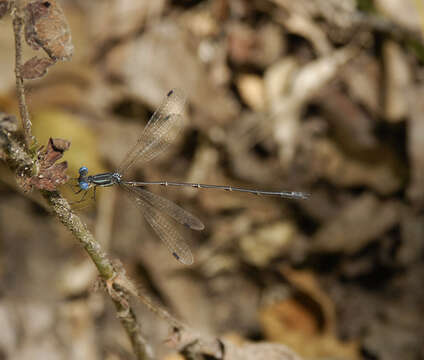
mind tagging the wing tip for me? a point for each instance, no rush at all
(176, 92)
(185, 261)
(198, 225)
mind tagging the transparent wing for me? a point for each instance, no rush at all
(170, 208)
(173, 103)
(165, 230)
(160, 131)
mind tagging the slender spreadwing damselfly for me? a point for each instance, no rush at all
(158, 134)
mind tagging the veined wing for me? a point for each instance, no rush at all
(160, 131)
(165, 230)
(168, 207)
(173, 103)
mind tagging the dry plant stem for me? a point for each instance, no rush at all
(64, 213)
(128, 321)
(104, 265)
(18, 23)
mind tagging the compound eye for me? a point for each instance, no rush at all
(84, 185)
(83, 171)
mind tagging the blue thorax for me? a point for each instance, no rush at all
(105, 179)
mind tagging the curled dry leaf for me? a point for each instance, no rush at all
(306, 321)
(36, 67)
(4, 7)
(46, 27)
(51, 175)
(306, 283)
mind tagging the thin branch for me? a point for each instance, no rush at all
(18, 22)
(105, 267)
(128, 320)
(121, 281)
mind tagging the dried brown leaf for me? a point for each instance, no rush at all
(52, 175)
(307, 283)
(306, 322)
(46, 27)
(60, 145)
(36, 67)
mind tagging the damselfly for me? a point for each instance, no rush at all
(158, 134)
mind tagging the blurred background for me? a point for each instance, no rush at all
(322, 96)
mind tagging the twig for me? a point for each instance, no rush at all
(104, 265)
(18, 22)
(122, 282)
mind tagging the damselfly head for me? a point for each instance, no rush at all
(83, 171)
(82, 180)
